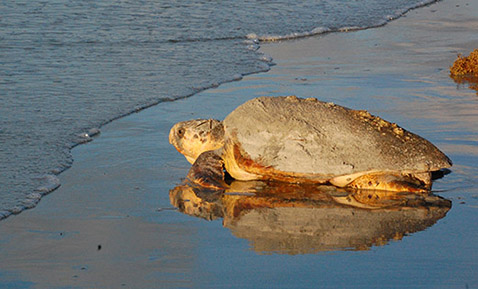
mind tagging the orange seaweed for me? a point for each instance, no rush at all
(466, 65)
(465, 70)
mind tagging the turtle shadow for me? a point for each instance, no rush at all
(302, 218)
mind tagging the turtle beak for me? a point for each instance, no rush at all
(172, 134)
(175, 135)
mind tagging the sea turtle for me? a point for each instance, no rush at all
(299, 140)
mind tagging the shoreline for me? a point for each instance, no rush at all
(106, 217)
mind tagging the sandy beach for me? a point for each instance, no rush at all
(111, 223)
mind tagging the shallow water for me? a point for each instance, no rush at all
(72, 66)
(122, 203)
(117, 193)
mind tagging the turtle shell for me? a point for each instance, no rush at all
(289, 137)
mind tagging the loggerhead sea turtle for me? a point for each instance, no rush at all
(307, 141)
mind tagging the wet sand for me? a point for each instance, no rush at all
(111, 223)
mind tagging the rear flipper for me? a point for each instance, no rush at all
(391, 182)
(208, 171)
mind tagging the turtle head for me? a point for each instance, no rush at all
(193, 137)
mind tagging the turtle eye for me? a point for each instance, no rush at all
(181, 132)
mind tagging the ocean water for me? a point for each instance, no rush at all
(69, 67)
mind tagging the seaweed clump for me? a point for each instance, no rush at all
(465, 70)
(466, 65)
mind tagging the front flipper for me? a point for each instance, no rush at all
(390, 182)
(208, 171)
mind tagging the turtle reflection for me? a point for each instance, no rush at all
(298, 219)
